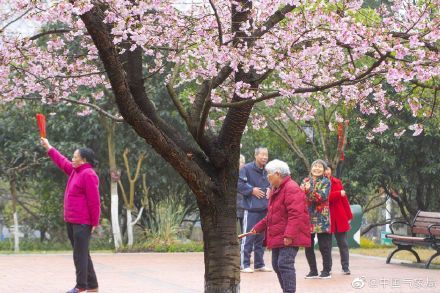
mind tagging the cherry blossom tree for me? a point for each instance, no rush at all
(217, 59)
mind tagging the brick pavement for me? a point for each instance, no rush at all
(183, 273)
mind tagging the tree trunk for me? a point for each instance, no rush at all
(114, 174)
(221, 247)
(13, 186)
(129, 228)
(42, 234)
(117, 238)
(16, 236)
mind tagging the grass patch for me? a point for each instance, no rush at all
(165, 247)
(36, 246)
(424, 253)
(26, 246)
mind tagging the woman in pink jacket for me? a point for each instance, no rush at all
(81, 210)
(287, 223)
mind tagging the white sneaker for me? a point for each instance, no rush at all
(263, 269)
(247, 270)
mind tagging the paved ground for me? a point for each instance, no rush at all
(183, 272)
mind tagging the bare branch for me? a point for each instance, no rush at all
(93, 106)
(219, 24)
(16, 19)
(371, 226)
(124, 195)
(138, 217)
(50, 32)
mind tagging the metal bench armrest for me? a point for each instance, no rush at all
(398, 222)
(429, 230)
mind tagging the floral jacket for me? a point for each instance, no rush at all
(318, 204)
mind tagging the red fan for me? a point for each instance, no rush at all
(41, 121)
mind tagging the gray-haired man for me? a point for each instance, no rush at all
(254, 186)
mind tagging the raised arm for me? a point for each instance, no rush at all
(60, 161)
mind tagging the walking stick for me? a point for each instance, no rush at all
(246, 234)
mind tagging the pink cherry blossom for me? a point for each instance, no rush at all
(317, 54)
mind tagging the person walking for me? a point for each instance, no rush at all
(81, 210)
(317, 190)
(287, 224)
(254, 186)
(340, 217)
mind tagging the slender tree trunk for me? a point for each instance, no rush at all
(16, 236)
(114, 173)
(117, 238)
(129, 228)
(13, 186)
(42, 234)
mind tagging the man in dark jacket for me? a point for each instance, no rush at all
(254, 186)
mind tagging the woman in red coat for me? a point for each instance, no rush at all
(340, 215)
(287, 223)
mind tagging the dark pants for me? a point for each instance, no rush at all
(240, 221)
(79, 236)
(283, 263)
(341, 239)
(325, 247)
(252, 242)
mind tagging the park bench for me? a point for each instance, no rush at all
(425, 231)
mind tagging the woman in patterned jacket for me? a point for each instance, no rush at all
(317, 189)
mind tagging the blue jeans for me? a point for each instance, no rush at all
(283, 263)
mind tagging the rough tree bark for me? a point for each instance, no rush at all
(209, 165)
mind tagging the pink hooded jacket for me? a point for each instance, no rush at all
(81, 198)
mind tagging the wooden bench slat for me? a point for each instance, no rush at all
(420, 230)
(406, 238)
(429, 214)
(426, 226)
(427, 220)
(424, 231)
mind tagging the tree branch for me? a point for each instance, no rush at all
(146, 127)
(219, 24)
(16, 19)
(50, 32)
(313, 88)
(273, 20)
(93, 106)
(173, 94)
(138, 217)
(289, 140)
(371, 226)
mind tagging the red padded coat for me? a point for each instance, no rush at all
(340, 212)
(287, 216)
